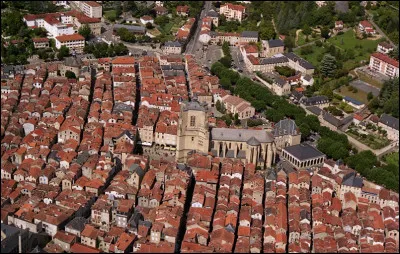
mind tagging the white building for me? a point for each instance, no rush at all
(172, 47)
(391, 125)
(384, 64)
(384, 47)
(232, 11)
(90, 8)
(73, 41)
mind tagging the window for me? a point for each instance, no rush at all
(192, 121)
(192, 138)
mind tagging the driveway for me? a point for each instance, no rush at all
(361, 85)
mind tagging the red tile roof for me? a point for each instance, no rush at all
(386, 59)
(71, 37)
(40, 39)
(80, 248)
(124, 60)
(365, 23)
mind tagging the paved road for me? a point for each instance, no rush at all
(371, 19)
(194, 43)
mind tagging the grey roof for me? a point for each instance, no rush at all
(172, 44)
(297, 95)
(135, 219)
(77, 223)
(275, 43)
(212, 13)
(136, 168)
(138, 29)
(145, 223)
(250, 34)
(304, 214)
(303, 151)
(73, 61)
(253, 141)
(82, 157)
(271, 175)
(308, 77)
(214, 152)
(315, 100)
(315, 110)
(37, 249)
(390, 121)
(8, 69)
(285, 127)
(352, 100)
(352, 180)
(274, 60)
(230, 228)
(193, 105)
(119, 107)
(9, 230)
(280, 82)
(334, 121)
(292, 56)
(128, 133)
(241, 135)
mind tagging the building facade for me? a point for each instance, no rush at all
(193, 133)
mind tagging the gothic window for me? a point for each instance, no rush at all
(192, 121)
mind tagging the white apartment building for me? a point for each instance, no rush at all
(384, 64)
(90, 8)
(232, 11)
(73, 41)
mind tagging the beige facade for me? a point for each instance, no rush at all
(235, 104)
(193, 133)
(254, 146)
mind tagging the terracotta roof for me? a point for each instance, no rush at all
(71, 37)
(93, 4)
(80, 248)
(365, 23)
(124, 60)
(40, 39)
(386, 59)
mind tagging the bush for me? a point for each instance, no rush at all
(340, 33)
(285, 71)
(318, 43)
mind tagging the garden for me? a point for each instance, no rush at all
(374, 137)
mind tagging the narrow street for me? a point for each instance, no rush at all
(194, 43)
(371, 19)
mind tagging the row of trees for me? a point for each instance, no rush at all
(102, 49)
(128, 36)
(388, 99)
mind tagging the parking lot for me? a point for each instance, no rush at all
(361, 85)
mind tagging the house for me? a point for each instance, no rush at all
(214, 16)
(272, 47)
(73, 42)
(320, 101)
(280, 86)
(76, 226)
(391, 125)
(286, 133)
(182, 10)
(339, 25)
(365, 26)
(123, 61)
(172, 47)
(160, 10)
(64, 239)
(146, 19)
(234, 104)
(39, 43)
(248, 36)
(351, 183)
(353, 102)
(384, 64)
(384, 47)
(307, 80)
(232, 11)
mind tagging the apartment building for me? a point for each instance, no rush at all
(40, 43)
(72, 41)
(90, 8)
(232, 11)
(384, 64)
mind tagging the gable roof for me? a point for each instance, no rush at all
(390, 121)
(275, 43)
(303, 151)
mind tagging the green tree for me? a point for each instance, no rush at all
(149, 25)
(70, 74)
(11, 22)
(307, 30)
(289, 42)
(63, 52)
(328, 65)
(85, 31)
(325, 32)
(226, 61)
(370, 96)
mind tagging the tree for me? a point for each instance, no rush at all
(370, 96)
(70, 74)
(85, 31)
(63, 52)
(289, 42)
(307, 30)
(225, 83)
(149, 25)
(328, 65)
(226, 61)
(325, 32)
(12, 23)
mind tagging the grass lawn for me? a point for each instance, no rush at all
(302, 39)
(360, 95)
(371, 140)
(364, 77)
(392, 158)
(110, 15)
(349, 42)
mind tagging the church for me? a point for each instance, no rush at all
(248, 145)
